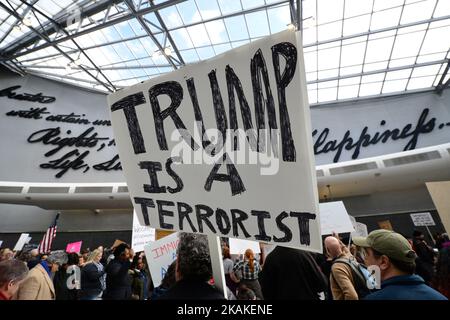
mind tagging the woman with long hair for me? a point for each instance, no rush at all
(250, 268)
(93, 277)
(230, 278)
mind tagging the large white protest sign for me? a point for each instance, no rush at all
(238, 246)
(160, 254)
(141, 235)
(224, 146)
(422, 219)
(21, 242)
(334, 218)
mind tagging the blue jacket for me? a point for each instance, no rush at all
(408, 287)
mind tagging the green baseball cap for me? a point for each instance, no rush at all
(389, 243)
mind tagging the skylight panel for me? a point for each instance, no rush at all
(188, 12)
(442, 9)
(344, 71)
(182, 39)
(396, 75)
(356, 25)
(420, 82)
(205, 53)
(328, 58)
(436, 40)
(227, 6)
(379, 49)
(431, 57)
(236, 27)
(328, 94)
(198, 35)
(348, 91)
(208, 8)
(426, 71)
(329, 10)
(373, 78)
(420, 10)
(171, 17)
(386, 4)
(221, 48)
(369, 89)
(385, 19)
(217, 31)
(352, 54)
(190, 56)
(394, 86)
(407, 44)
(310, 61)
(279, 18)
(257, 24)
(357, 7)
(330, 31)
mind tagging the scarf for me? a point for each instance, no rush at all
(103, 277)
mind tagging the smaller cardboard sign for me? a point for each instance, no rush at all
(160, 254)
(334, 218)
(238, 246)
(21, 242)
(422, 219)
(141, 235)
(74, 247)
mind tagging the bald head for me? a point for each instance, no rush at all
(333, 247)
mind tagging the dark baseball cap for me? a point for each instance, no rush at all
(389, 243)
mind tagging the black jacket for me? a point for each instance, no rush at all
(60, 284)
(291, 274)
(192, 290)
(118, 281)
(90, 280)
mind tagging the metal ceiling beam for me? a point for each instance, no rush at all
(25, 12)
(156, 7)
(45, 38)
(38, 72)
(60, 29)
(103, 68)
(8, 55)
(362, 34)
(30, 38)
(441, 86)
(368, 73)
(146, 28)
(172, 43)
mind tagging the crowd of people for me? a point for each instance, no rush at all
(385, 265)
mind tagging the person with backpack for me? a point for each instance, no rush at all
(346, 279)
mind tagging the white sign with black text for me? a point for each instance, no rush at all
(422, 219)
(224, 146)
(141, 235)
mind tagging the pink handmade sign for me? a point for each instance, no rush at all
(74, 247)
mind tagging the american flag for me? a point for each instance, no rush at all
(46, 242)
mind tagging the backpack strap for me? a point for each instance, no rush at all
(355, 269)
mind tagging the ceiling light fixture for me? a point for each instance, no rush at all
(27, 22)
(167, 51)
(291, 26)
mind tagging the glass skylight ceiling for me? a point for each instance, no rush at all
(352, 48)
